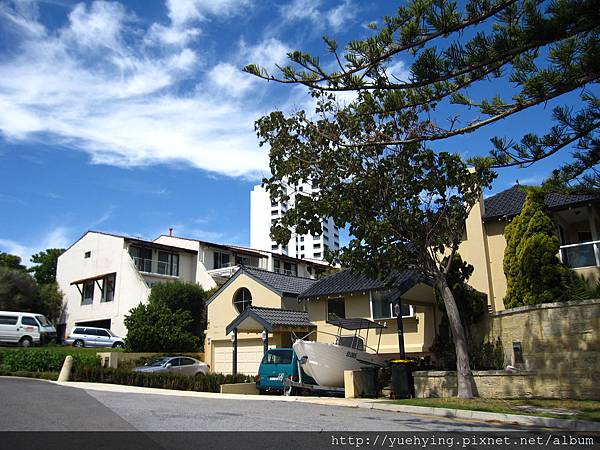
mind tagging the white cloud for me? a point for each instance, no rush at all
(59, 237)
(341, 15)
(182, 13)
(268, 53)
(311, 10)
(230, 80)
(126, 103)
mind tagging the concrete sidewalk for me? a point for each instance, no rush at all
(480, 416)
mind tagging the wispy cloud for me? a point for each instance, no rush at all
(312, 10)
(59, 237)
(104, 85)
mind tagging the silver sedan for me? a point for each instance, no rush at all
(183, 365)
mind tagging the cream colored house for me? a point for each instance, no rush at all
(260, 309)
(577, 222)
(263, 301)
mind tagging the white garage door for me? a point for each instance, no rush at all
(249, 355)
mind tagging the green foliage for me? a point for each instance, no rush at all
(44, 270)
(48, 301)
(41, 359)
(153, 327)
(472, 306)
(17, 290)
(202, 383)
(185, 297)
(11, 261)
(53, 376)
(533, 271)
(449, 51)
(488, 356)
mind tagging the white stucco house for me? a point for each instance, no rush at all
(104, 275)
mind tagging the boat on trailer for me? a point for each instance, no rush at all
(326, 362)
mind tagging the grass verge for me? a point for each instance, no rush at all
(579, 409)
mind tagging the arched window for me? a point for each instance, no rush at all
(242, 299)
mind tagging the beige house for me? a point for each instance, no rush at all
(260, 309)
(264, 301)
(577, 225)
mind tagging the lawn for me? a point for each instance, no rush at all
(562, 409)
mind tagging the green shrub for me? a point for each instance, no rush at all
(41, 359)
(41, 375)
(156, 328)
(201, 383)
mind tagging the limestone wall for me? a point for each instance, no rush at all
(560, 345)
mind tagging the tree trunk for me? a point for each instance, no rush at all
(465, 377)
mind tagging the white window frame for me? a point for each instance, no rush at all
(392, 316)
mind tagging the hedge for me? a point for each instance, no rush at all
(41, 359)
(202, 383)
(21, 373)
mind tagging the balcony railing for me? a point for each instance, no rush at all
(155, 267)
(285, 271)
(586, 254)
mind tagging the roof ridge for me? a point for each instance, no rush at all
(275, 273)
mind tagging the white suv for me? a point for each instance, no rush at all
(94, 337)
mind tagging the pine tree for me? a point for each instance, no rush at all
(534, 274)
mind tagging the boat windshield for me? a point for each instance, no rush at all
(355, 342)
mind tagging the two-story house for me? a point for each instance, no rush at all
(104, 275)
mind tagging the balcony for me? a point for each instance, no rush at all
(576, 256)
(154, 267)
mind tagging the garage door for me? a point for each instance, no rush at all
(250, 353)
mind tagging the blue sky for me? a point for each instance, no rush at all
(134, 116)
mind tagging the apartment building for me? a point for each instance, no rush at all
(104, 275)
(264, 213)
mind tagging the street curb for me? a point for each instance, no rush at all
(513, 419)
(510, 419)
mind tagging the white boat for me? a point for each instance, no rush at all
(326, 363)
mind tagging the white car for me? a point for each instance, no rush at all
(93, 337)
(25, 329)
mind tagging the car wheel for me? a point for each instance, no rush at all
(118, 345)
(26, 342)
(78, 343)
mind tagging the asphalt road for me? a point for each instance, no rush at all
(37, 405)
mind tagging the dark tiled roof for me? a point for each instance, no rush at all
(270, 318)
(510, 202)
(286, 284)
(283, 317)
(348, 281)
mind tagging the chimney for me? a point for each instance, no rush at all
(170, 231)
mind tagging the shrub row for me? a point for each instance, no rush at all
(42, 359)
(21, 373)
(201, 383)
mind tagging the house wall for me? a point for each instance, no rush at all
(221, 311)
(419, 331)
(201, 275)
(108, 254)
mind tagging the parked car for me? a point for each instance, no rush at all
(94, 337)
(25, 329)
(276, 365)
(183, 365)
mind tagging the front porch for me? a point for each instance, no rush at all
(270, 325)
